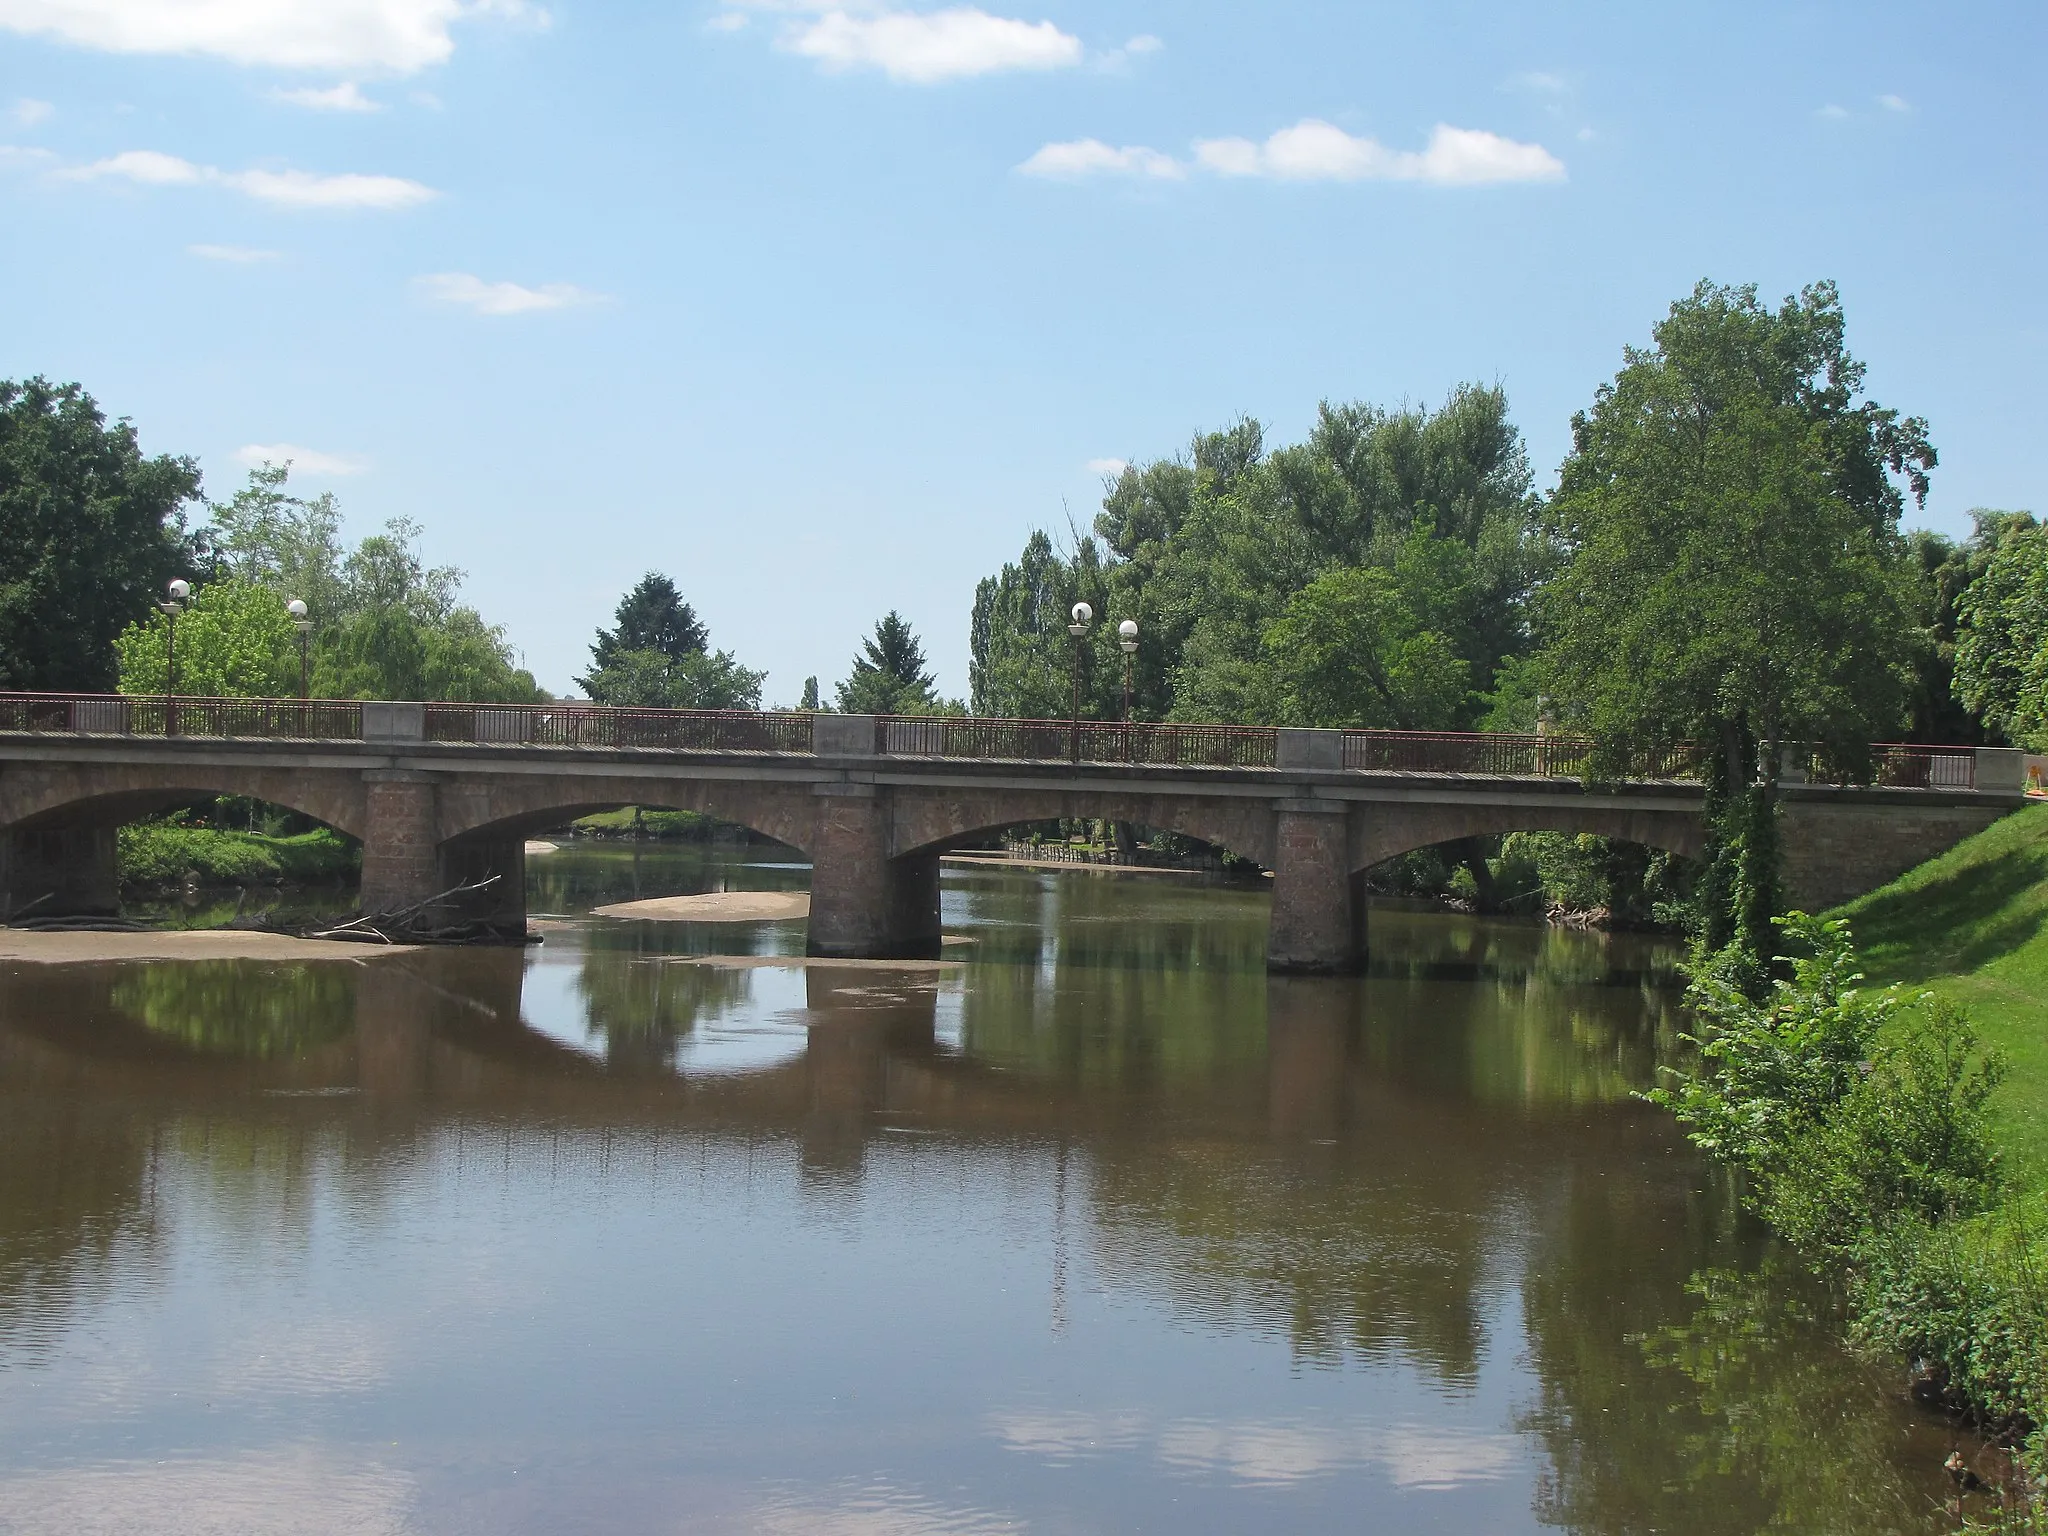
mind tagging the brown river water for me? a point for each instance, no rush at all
(1100, 1230)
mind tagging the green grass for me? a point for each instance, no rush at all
(659, 824)
(1972, 925)
(159, 854)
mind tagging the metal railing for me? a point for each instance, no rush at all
(1088, 741)
(1891, 765)
(594, 725)
(205, 719)
(1906, 765)
(1499, 755)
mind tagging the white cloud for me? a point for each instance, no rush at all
(1144, 42)
(28, 111)
(288, 188)
(1313, 150)
(471, 292)
(1091, 157)
(1118, 60)
(1894, 103)
(1543, 83)
(21, 156)
(927, 46)
(1107, 466)
(304, 189)
(240, 255)
(396, 35)
(1831, 112)
(345, 97)
(728, 21)
(306, 461)
(143, 165)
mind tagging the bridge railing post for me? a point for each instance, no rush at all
(2000, 771)
(1316, 750)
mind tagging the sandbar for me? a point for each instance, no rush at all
(716, 907)
(61, 948)
(1004, 861)
(534, 845)
(804, 962)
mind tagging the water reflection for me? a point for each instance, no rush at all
(1100, 1229)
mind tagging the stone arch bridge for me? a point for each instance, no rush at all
(444, 795)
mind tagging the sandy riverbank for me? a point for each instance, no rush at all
(716, 907)
(191, 944)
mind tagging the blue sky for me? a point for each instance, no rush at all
(823, 307)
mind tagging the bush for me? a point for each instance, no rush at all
(1851, 1111)
(159, 854)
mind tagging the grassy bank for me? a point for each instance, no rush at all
(161, 855)
(1972, 926)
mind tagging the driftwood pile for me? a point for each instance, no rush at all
(421, 923)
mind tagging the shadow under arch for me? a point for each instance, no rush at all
(1618, 874)
(929, 829)
(64, 859)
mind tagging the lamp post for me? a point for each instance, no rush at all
(1082, 616)
(297, 609)
(1127, 642)
(171, 607)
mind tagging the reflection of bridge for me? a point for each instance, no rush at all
(445, 794)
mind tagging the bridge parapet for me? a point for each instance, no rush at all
(800, 733)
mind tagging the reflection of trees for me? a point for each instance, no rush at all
(1726, 1405)
(234, 1008)
(590, 873)
(643, 1007)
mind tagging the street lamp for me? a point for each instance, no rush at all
(1082, 616)
(171, 607)
(297, 609)
(1127, 642)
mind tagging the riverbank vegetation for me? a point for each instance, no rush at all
(168, 853)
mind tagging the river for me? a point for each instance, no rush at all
(1096, 1230)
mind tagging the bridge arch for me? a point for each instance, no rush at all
(1388, 833)
(508, 806)
(930, 823)
(111, 794)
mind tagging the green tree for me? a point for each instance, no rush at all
(889, 676)
(810, 698)
(695, 680)
(651, 617)
(1209, 551)
(91, 529)
(403, 633)
(2001, 653)
(292, 545)
(1733, 569)
(234, 640)
(1368, 646)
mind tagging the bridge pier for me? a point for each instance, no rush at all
(1317, 925)
(401, 842)
(59, 872)
(864, 904)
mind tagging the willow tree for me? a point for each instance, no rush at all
(1733, 569)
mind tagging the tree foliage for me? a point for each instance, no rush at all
(889, 675)
(2001, 652)
(91, 532)
(234, 640)
(1733, 572)
(1234, 557)
(652, 679)
(651, 617)
(386, 625)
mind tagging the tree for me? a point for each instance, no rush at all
(889, 677)
(810, 699)
(2001, 653)
(695, 680)
(91, 529)
(1734, 572)
(403, 634)
(1210, 552)
(1366, 646)
(234, 640)
(651, 617)
(292, 545)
